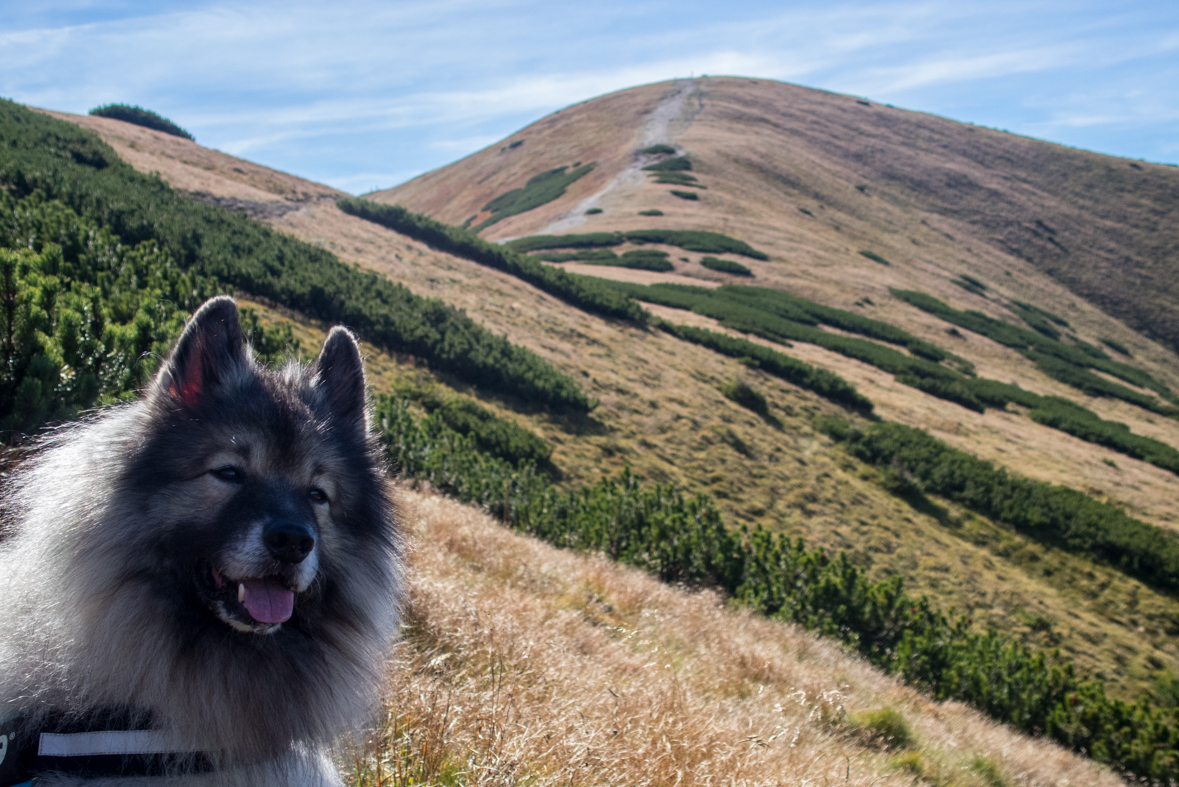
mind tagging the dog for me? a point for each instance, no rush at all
(200, 587)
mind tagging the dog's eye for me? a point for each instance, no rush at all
(317, 495)
(229, 473)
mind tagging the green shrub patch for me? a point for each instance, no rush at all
(678, 164)
(679, 179)
(584, 240)
(140, 117)
(659, 149)
(497, 436)
(646, 259)
(651, 212)
(1068, 363)
(689, 240)
(1081, 422)
(1036, 319)
(689, 195)
(697, 240)
(1055, 515)
(539, 189)
(971, 285)
(742, 393)
(641, 259)
(573, 256)
(875, 257)
(1117, 347)
(725, 266)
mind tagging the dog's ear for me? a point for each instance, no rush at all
(339, 376)
(209, 352)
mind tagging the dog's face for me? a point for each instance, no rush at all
(274, 513)
(259, 489)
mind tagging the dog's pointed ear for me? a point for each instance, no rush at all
(209, 352)
(339, 376)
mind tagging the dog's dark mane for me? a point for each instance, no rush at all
(97, 569)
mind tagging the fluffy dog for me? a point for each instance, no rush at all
(200, 587)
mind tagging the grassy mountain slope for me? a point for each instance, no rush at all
(766, 151)
(523, 663)
(662, 410)
(1104, 227)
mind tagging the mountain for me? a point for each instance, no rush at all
(767, 152)
(834, 203)
(930, 191)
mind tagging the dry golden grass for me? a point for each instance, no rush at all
(526, 664)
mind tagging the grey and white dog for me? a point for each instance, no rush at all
(213, 572)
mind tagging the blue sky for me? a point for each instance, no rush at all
(364, 95)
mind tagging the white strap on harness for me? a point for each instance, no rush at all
(89, 744)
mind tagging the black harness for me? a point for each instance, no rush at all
(103, 743)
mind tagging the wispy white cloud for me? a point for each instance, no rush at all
(342, 91)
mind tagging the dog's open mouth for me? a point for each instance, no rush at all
(257, 606)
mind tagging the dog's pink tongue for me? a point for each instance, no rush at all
(267, 601)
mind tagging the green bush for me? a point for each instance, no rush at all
(651, 212)
(584, 240)
(659, 149)
(740, 392)
(993, 393)
(689, 240)
(697, 240)
(140, 117)
(50, 160)
(539, 190)
(678, 179)
(885, 728)
(593, 211)
(640, 259)
(572, 256)
(678, 164)
(973, 282)
(725, 266)
(646, 259)
(969, 284)
(492, 434)
(875, 257)
(1117, 347)
(1035, 319)
(689, 195)
(1041, 312)
(583, 292)
(83, 324)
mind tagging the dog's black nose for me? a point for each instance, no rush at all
(288, 541)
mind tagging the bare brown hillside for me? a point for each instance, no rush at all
(661, 411)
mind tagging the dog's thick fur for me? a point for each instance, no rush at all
(127, 533)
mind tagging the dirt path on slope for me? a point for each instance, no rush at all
(675, 109)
